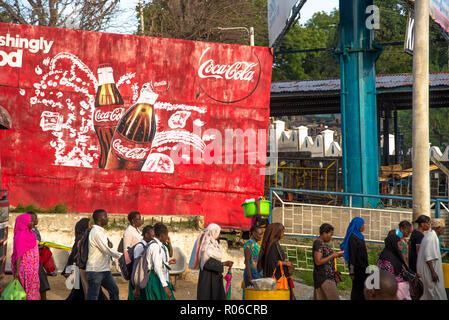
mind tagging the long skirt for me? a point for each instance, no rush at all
(327, 291)
(131, 288)
(403, 292)
(29, 273)
(154, 289)
(358, 286)
(43, 279)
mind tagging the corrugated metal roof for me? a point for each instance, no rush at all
(439, 79)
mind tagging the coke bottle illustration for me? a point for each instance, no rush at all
(108, 110)
(135, 132)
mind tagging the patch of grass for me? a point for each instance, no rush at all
(306, 278)
(59, 208)
(303, 258)
(190, 223)
(173, 226)
(445, 258)
(120, 224)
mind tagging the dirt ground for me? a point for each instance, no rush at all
(185, 287)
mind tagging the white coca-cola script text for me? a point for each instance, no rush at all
(239, 70)
(113, 116)
(135, 154)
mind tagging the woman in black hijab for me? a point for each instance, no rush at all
(391, 260)
(78, 294)
(271, 252)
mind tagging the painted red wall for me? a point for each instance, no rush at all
(51, 154)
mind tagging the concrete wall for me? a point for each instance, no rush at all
(60, 228)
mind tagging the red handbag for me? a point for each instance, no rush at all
(45, 258)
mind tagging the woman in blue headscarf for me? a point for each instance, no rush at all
(356, 256)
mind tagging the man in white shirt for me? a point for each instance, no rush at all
(98, 262)
(159, 284)
(132, 235)
(429, 264)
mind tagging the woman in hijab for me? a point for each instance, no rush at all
(356, 256)
(44, 285)
(391, 260)
(271, 253)
(25, 257)
(208, 257)
(79, 294)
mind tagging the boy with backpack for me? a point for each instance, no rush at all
(135, 255)
(158, 286)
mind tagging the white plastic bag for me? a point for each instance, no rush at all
(265, 284)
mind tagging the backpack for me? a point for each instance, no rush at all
(126, 262)
(140, 273)
(120, 247)
(83, 250)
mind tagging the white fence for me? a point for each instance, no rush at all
(304, 220)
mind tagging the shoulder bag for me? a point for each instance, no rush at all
(282, 282)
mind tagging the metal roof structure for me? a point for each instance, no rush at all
(303, 97)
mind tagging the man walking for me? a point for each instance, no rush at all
(98, 263)
(429, 264)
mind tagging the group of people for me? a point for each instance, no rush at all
(415, 265)
(401, 260)
(94, 270)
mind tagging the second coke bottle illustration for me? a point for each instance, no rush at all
(131, 143)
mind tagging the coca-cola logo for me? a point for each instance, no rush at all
(129, 153)
(229, 78)
(108, 116)
(160, 86)
(241, 70)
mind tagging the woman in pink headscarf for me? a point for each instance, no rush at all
(25, 256)
(208, 257)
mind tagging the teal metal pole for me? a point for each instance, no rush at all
(357, 54)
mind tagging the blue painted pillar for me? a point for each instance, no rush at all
(357, 54)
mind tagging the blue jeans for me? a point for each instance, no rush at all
(96, 280)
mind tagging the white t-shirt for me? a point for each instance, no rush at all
(157, 258)
(138, 250)
(131, 237)
(99, 251)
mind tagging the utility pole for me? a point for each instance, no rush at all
(357, 53)
(142, 25)
(251, 36)
(420, 156)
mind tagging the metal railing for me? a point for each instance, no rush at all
(305, 176)
(302, 257)
(437, 204)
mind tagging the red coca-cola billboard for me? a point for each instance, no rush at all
(120, 122)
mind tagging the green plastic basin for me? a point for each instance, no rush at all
(250, 210)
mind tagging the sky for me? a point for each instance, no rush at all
(313, 6)
(129, 15)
